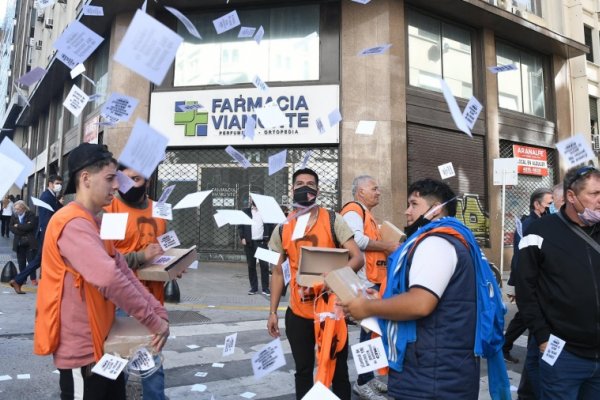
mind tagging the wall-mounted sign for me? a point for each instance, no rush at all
(532, 160)
(218, 117)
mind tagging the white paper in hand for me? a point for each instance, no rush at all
(229, 346)
(287, 273)
(168, 240)
(369, 51)
(300, 228)
(446, 170)
(148, 47)
(267, 255)
(575, 150)
(14, 152)
(268, 359)
(113, 226)
(320, 392)
(142, 360)
(270, 115)
(369, 356)
(10, 173)
(76, 101)
(269, 210)
(553, 349)
(457, 116)
(226, 22)
(519, 226)
(189, 25)
(237, 156)
(76, 44)
(192, 200)
(277, 162)
(472, 111)
(109, 366)
(39, 203)
(365, 127)
(144, 150)
(162, 211)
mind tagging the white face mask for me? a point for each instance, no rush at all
(57, 188)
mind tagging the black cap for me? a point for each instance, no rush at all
(81, 156)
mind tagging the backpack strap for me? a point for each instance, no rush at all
(332, 227)
(364, 210)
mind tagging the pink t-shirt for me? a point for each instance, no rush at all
(83, 250)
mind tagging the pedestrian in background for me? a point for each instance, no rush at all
(23, 224)
(7, 212)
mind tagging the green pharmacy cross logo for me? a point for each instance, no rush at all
(187, 113)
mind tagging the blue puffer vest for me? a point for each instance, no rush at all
(441, 363)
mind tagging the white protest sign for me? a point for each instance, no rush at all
(148, 47)
(32, 76)
(189, 25)
(320, 391)
(76, 44)
(11, 170)
(142, 360)
(320, 126)
(553, 349)
(382, 48)
(268, 359)
(192, 200)
(472, 111)
(369, 356)
(95, 11)
(305, 159)
(575, 150)
(260, 84)
(78, 70)
(166, 193)
(457, 116)
(270, 115)
(246, 32)
(162, 211)
(505, 171)
(118, 107)
(14, 152)
(237, 156)
(365, 127)
(168, 240)
(144, 150)
(277, 162)
(125, 182)
(446, 170)
(249, 128)
(269, 256)
(287, 272)
(260, 33)
(300, 228)
(519, 226)
(269, 210)
(229, 347)
(76, 101)
(109, 366)
(334, 117)
(113, 226)
(40, 203)
(503, 68)
(226, 22)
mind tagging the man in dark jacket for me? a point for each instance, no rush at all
(23, 224)
(558, 290)
(252, 237)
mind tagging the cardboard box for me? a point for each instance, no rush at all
(125, 336)
(315, 261)
(183, 258)
(392, 233)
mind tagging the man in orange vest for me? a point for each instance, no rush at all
(357, 215)
(324, 229)
(84, 278)
(139, 246)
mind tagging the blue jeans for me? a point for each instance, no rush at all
(531, 389)
(153, 386)
(570, 378)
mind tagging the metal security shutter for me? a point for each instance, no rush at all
(429, 147)
(593, 109)
(193, 170)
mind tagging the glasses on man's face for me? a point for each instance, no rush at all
(580, 173)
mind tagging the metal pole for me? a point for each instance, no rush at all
(502, 227)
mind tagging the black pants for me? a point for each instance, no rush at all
(301, 335)
(5, 225)
(81, 383)
(32, 265)
(516, 328)
(250, 249)
(24, 255)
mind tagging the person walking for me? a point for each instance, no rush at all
(7, 212)
(23, 224)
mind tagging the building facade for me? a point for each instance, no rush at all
(309, 58)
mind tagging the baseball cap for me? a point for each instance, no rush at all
(81, 156)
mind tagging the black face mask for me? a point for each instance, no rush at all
(134, 195)
(412, 228)
(305, 196)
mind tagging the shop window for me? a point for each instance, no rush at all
(289, 50)
(521, 90)
(439, 50)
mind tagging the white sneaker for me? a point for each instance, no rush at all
(366, 392)
(377, 385)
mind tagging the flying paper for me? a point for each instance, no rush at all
(144, 149)
(40, 203)
(269, 209)
(270, 115)
(236, 155)
(32, 76)
(226, 22)
(382, 48)
(575, 150)
(192, 200)
(76, 44)
(189, 25)
(95, 11)
(246, 32)
(113, 226)
(277, 162)
(457, 116)
(11, 170)
(118, 108)
(14, 152)
(76, 101)
(234, 217)
(334, 117)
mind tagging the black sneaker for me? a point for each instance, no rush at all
(252, 292)
(509, 358)
(266, 292)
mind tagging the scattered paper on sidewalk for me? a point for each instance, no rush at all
(198, 387)
(218, 365)
(268, 359)
(319, 391)
(229, 346)
(192, 346)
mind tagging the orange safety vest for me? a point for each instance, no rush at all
(319, 235)
(101, 312)
(375, 261)
(142, 229)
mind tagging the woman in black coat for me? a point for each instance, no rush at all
(23, 224)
